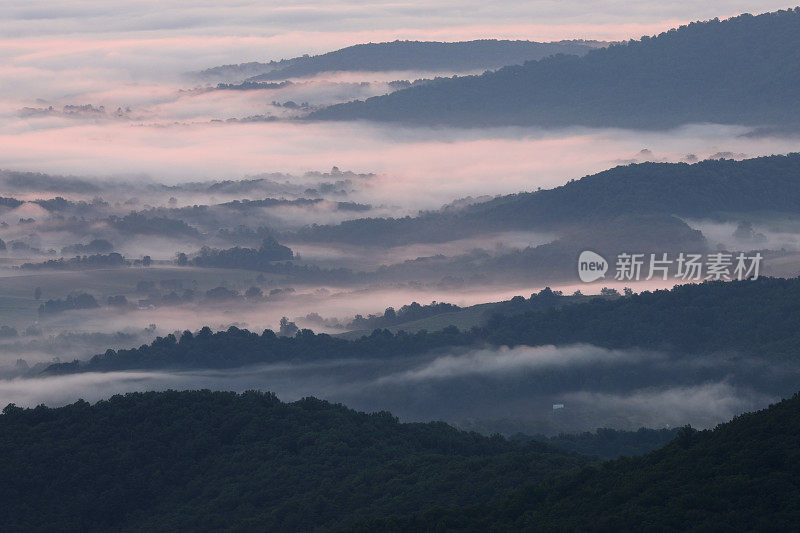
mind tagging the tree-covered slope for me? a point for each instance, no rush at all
(700, 190)
(742, 476)
(406, 55)
(201, 460)
(743, 70)
(198, 461)
(755, 318)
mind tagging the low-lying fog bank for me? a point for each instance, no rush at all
(505, 389)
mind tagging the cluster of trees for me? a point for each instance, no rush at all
(245, 258)
(75, 301)
(18, 246)
(96, 246)
(177, 291)
(252, 86)
(84, 262)
(741, 70)
(139, 224)
(754, 318)
(243, 205)
(407, 313)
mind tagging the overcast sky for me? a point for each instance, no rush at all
(134, 54)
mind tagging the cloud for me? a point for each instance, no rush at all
(446, 163)
(505, 360)
(703, 406)
(521, 384)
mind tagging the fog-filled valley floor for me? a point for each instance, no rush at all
(347, 267)
(92, 263)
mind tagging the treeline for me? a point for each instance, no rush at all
(111, 260)
(407, 313)
(243, 205)
(738, 71)
(754, 318)
(237, 347)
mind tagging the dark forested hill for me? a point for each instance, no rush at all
(744, 70)
(406, 55)
(200, 461)
(700, 190)
(203, 461)
(742, 476)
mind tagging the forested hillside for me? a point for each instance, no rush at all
(742, 70)
(700, 190)
(201, 460)
(198, 461)
(406, 55)
(742, 476)
(756, 318)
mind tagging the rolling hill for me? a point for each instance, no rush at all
(417, 56)
(713, 188)
(744, 70)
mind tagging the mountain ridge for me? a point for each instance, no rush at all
(743, 70)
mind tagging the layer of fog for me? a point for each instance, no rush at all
(369, 258)
(598, 387)
(444, 163)
(80, 334)
(752, 233)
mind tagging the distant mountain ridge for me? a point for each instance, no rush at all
(462, 56)
(744, 70)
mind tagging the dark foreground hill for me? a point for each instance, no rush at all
(744, 70)
(742, 476)
(199, 461)
(211, 461)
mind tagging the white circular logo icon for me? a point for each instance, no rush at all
(591, 266)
